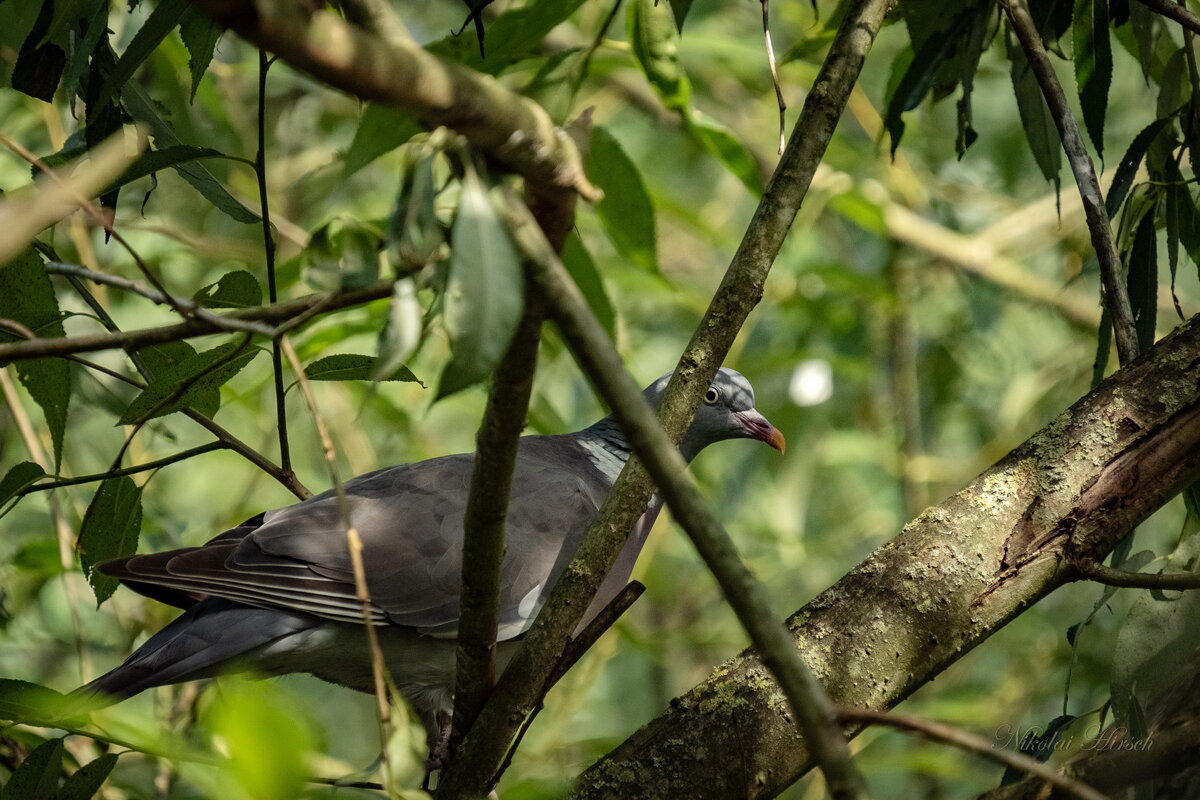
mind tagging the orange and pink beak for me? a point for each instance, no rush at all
(756, 426)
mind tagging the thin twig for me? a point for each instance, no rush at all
(136, 339)
(964, 740)
(260, 172)
(770, 48)
(1109, 576)
(183, 455)
(354, 546)
(1116, 292)
(1175, 11)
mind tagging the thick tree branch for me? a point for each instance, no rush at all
(514, 131)
(133, 340)
(953, 577)
(1116, 293)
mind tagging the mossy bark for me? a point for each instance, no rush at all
(955, 575)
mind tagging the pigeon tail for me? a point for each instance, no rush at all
(214, 636)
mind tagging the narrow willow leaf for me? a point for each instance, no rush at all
(37, 776)
(21, 701)
(1128, 168)
(1035, 116)
(162, 20)
(728, 149)
(924, 68)
(200, 36)
(484, 291)
(156, 160)
(93, 25)
(20, 477)
(1143, 280)
(1145, 31)
(203, 374)
(578, 262)
(109, 530)
(1103, 347)
(40, 63)
(680, 9)
(27, 297)
(381, 130)
(975, 42)
(402, 333)
(353, 367)
(655, 39)
(626, 211)
(237, 289)
(1093, 66)
(88, 779)
(1177, 199)
(141, 108)
(511, 36)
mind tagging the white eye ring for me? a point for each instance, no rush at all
(712, 395)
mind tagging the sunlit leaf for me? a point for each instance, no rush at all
(237, 289)
(21, 701)
(484, 292)
(109, 530)
(203, 375)
(380, 130)
(655, 39)
(626, 211)
(27, 297)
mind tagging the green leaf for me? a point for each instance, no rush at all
(578, 262)
(27, 297)
(402, 332)
(203, 375)
(1093, 66)
(83, 46)
(200, 36)
(416, 232)
(556, 84)
(680, 9)
(88, 779)
(21, 701)
(1143, 280)
(720, 142)
(141, 108)
(353, 367)
(237, 289)
(1130, 163)
(1035, 115)
(626, 211)
(342, 254)
(484, 290)
(40, 63)
(110, 530)
(976, 42)
(655, 39)
(160, 357)
(37, 777)
(921, 73)
(162, 20)
(381, 130)
(511, 36)
(20, 477)
(158, 160)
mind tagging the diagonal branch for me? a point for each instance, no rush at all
(513, 130)
(1116, 293)
(1176, 11)
(955, 575)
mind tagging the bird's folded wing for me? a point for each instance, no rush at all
(410, 520)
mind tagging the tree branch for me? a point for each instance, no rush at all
(132, 470)
(133, 340)
(954, 576)
(1116, 293)
(510, 128)
(1175, 11)
(964, 740)
(1095, 571)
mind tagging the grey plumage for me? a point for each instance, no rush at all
(276, 593)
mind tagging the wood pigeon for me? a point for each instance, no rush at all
(276, 594)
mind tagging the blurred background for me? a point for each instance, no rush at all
(926, 315)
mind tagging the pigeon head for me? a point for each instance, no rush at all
(726, 412)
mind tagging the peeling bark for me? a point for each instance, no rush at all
(954, 576)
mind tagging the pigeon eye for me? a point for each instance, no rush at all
(712, 395)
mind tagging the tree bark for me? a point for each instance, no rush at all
(954, 576)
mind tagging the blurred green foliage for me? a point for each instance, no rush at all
(686, 136)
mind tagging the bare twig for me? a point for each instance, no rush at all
(965, 740)
(1175, 11)
(770, 48)
(514, 131)
(133, 340)
(260, 172)
(355, 547)
(1094, 571)
(1116, 293)
(133, 470)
